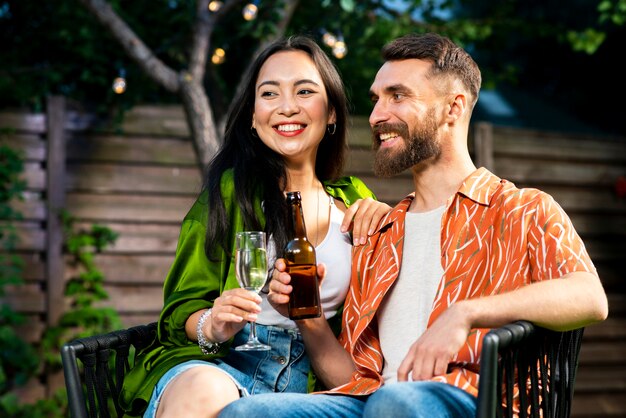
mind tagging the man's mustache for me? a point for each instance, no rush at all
(399, 128)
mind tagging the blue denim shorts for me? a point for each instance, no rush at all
(284, 368)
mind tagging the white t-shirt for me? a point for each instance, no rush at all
(335, 251)
(403, 315)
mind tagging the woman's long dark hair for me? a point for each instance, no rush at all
(258, 170)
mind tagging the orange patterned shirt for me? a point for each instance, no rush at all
(494, 238)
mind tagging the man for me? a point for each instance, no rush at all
(476, 253)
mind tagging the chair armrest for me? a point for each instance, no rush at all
(524, 355)
(96, 380)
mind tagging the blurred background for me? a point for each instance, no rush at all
(562, 53)
(110, 109)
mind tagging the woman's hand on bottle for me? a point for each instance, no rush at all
(363, 217)
(280, 286)
(230, 312)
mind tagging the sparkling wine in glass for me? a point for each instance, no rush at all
(251, 272)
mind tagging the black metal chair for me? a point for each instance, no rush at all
(508, 356)
(104, 361)
(540, 362)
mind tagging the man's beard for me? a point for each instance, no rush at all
(419, 146)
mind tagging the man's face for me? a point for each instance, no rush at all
(405, 119)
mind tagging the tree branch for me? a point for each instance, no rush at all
(203, 29)
(134, 47)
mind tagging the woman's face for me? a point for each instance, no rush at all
(291, 106)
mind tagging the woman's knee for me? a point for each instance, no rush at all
(198, 390)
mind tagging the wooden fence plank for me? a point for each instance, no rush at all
(103, 148)
(31, 236)
(111, 178)
(142, 238)
(31, 206)
(23, 122)
(27, 298)
(136, 299)
(138, 269)
(164, 120)
(544, 146)
(137, 208)
(607, 225)
(32, 147)
(541, 173)
(598, 405)
(35, 176)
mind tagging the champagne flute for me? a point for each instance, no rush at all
(251, 272)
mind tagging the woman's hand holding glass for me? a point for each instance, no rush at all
(251, 272)
(235, 306)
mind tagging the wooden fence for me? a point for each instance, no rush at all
(141, 177)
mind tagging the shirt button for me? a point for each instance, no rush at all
(281, 360)
(347, 201)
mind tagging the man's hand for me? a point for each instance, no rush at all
(430, 355)
(363, 217)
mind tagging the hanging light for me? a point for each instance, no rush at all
(214, 6)
(340, 49)
(328, 38)
(219, 55)
(119, 83)
(250, 11)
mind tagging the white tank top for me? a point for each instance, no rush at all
(335, 251)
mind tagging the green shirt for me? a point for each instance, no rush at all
(194, 282)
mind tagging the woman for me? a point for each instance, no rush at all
(289, 133)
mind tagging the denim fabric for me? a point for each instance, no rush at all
(406, 399)
(284, 368)
(424, 399)
(296, 405)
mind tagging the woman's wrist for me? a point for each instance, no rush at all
(206, 346)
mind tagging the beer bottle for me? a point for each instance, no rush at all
(299, 255)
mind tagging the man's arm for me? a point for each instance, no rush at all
(331, 362)
(572, 301)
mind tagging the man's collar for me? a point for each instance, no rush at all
(480, 186)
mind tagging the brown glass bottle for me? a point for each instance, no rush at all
(299, 254)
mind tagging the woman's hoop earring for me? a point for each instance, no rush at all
(331, 128)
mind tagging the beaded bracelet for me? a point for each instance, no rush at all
(207, 347)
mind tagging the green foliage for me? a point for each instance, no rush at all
(51, 41)
(54, 407)
(18, 359)
(11, 188)
(84, 291)
(613, 11)
(587, 41)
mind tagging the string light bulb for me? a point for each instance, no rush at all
(214, 6)
(340, 49)
(119, 83)
(219, 55)
(329, 39)
(250, 11)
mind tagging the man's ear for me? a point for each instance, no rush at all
(458, 106)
